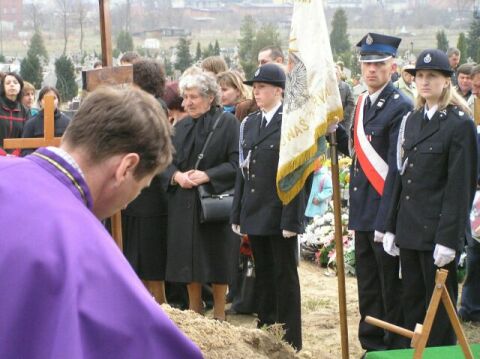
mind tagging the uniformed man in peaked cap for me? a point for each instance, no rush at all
(378, 114)
(257, 210)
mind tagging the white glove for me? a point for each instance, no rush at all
(332, 127)
(288, 234)
(236, 229)
(443, 255)
(378, 237)
(389, 245)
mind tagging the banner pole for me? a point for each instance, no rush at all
(342, 300)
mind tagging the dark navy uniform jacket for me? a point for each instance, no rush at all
(256, 206)
(367, 209)
(433, 197)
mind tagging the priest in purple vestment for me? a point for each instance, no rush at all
(66, 291)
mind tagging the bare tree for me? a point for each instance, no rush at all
(128, 8)
(64, 8)
(81, 12)
(464, 6)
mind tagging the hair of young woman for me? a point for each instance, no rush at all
(233, 79)
(449, 96)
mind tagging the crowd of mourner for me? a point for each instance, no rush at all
(412, 138)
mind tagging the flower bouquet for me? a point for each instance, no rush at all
(317, 244)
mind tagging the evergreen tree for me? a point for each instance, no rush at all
(216, 49)
(167, 64)
(65, 72)
(124, 41)
(37, 46)
(211, 51)
(463, 47)
(339, 36)
(198, 53)
(267, 35)
(246, 52)
(31, 70)
(474, 40)
(2, 58)
(184, 58)
(442, 42)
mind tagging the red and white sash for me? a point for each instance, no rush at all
(374, 167)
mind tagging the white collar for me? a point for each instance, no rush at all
(430, 112)
(269, 115)
(374, 96)
(67, 157)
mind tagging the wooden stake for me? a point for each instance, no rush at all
(107, 61)
(106, 33)
(476, 110)
(342, 298)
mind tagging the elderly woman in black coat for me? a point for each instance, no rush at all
(198, 252)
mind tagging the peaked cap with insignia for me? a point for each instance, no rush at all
(377, 47)
(432, 59)
(270, 74)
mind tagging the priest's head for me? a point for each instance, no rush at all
(121, 140)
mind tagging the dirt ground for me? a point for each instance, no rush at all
(320, 318)
(321, 330)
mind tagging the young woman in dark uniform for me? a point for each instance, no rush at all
(434, 190)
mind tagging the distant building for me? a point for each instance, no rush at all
(389, 4)
(11, 14)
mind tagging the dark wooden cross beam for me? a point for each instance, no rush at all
(108, 76)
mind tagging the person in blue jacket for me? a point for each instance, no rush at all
(320, 193)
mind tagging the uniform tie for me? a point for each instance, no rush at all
(264, 122)
(425, 120)
(368, 104)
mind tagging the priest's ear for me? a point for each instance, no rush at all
(126, 166)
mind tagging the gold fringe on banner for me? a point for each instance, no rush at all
(292, 165)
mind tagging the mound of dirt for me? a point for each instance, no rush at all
(219, 340)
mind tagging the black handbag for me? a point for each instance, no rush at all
(215, 207)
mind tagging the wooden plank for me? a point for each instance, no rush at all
(390, 327)
(457, 327)
(440, 280)
(107, 76)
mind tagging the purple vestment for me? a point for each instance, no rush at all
(66, 291)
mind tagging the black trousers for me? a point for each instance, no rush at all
(379, 293)
(418, 274)
(277, 285)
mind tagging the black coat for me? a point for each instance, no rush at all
(201, 252)
(13, 116)
(348, 103)
(432, 199)
(256, 206)
(368, 210)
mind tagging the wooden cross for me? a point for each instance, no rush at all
(110, 76)
(48, 139)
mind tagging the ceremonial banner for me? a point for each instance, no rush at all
(312, 99)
